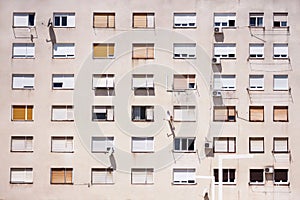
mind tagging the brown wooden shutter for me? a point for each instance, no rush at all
(100, 20)
(220, 114)
(58, 176)
(19, 112)
(29, 113)
(257, 113)
(180, 82)
(100, 50)
(140, 20)
(281, 113)
(111, 20)
(139, 52)
(111, 50)
(68, 176)
(150, 52)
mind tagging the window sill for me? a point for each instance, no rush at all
(21, 183)
(63, 58)
(226, 183)
(281, 152)
(62, 183)
(256, 183)
(257, 27)
(143, 120)
(184, 27)
(62, 151)
(22, 88)
(141, 28)
(102, 120)
(61, 27)
(281, 183)
(102, 183)
(104, 27)
(281, 58)
(152, 151)
(256, 121)
(280, 120)
(21, 120)
(23, 57)
(103, 58)
(257, 152)
(21, 151)
(184, 183)
(224, 152)
(63, 120)
(62, 89)
(142, 183)
(142, 58)
(184, 120)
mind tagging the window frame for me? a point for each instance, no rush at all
(148, 16)
(148, 173)
(28, 171)
(258, 47)
(228, 140)
(147, 141)
(285, 108)
(285, 54)
(251, 108)
(70, 19)
(280, 25)
(191, 49)
(228, 110)
(181, 144)
(66, 170)
(108, 15)
(227, 23)
(188, 172)
(108, 142)
(228, 78)
(69, 110)
(66, 140)
(24, 85)
(110, 48)
(261, 172)
(256, 78)
(63, 56)
(182, 108)
(286, 171)
(63, 82)
(24, 139)
(190, 79)
(109, 112)
(27, 47)
(282, 139)
(281, 78)
(26, 113)
(227, 173)
(258, 16)
(191, 24)
(229, 48)
(147, 47)
(142, 109)
(108, 172)
(28, 20)
(260, 139)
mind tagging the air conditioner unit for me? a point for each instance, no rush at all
(269, 169)
(217, 93)
(216, 60)
(218, 30)
(208, 145)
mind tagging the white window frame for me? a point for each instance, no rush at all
(281, 182)
(280, 20)
(224, 20)
(190, 80)
(23, 50)
(256, 82)
(224, 114)
(227, 173)
(256, 51)
(184, 20)
(108, 47)
(280, 51)
(137, 112)
(150, 20)
(142, 144)
(66, 113)
(26, 113)
(262, 172)
(21, 144)
(106, 111)
(63, 81)
(101, 176)
(142, 176)
(184, 176)
(228, 144)
(140, 81)
(280, 145)
(280, 82)
(62, 144)
(102, 144)
(259, 19)
(184, 50)
(70, 20)
(21, 175)
(227, 51)
(256, 145)
(64, 50)
(224, 82)
(23, 81)
(184, 113)
(184, 144)
(65, 170)
(103, 81)
(278, 112)
(22, 20)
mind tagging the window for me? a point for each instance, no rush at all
(256, 145)
(143, 20)
(280, 145)
(228, 176)
(281, 176)
(186, 144)
(224, 145)
(102, 144)
(142, 176)
(104, 20)
(24, 19)
(224, 82)
(103, 81)
(23, 50)
(224, 19)
(185, 20)
(104, 50)
(256, 50)
(102, 176)
(256, 20)
(182, 50)
(61, 175)
(63, 81)
(22, 113)
(280, 114)
(64, 20)
(184, 113)
(256, 113)
(256, 82)
(21, 144)
(280, 82)
(184, 81)
(225, 50)
(61, 50)
(103, 113)
(184, 176)
(143, 51)
(21, 175)
(224, 114)
(256, 176)
(23, 81)
(62, 113)
(143, 84)
(142, 144)
(142, 113)
(62, 144)
(280, 20)
(280, 51)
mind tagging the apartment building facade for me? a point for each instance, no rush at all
(153, 100)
